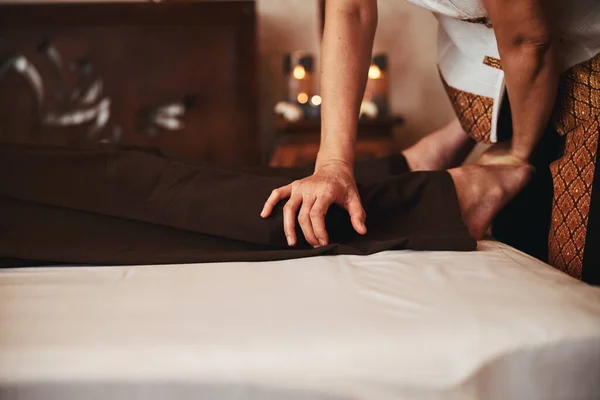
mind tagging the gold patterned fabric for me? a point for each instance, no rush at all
(473, 111)
(573, 174)
(492, 62)
(579, 96)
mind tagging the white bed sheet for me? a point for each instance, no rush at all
(491, 324)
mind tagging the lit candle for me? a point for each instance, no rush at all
(298, 68)
(302, 98)
(377, 84)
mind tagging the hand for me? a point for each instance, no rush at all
(501, 154)
(332, 183)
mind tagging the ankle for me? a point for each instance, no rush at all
(522, 157)
(460, 180)
(412, 159)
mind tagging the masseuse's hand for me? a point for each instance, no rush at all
(501, 154)
(332, 183)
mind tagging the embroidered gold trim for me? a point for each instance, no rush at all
(481, 20)
(492, 62)
(473, 111)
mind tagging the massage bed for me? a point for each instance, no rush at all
(490, 324)
(487, 324)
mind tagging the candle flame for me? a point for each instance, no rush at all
(299, 72)
(374, 72)
(302, 98)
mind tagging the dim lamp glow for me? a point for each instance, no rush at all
(374, 72)
(299, 72)
(302, 98)
(316, 100)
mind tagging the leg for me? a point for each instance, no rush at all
(144, 187)
(442, 149)
(151, 210)
(37, 234)
(484, 190)
(417, 211)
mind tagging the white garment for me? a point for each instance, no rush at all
(462, 45)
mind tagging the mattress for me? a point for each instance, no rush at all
(491, 324)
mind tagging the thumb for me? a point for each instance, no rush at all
(357, 214)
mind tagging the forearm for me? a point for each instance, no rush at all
(526, 41)
(532, 77)
(346, 53)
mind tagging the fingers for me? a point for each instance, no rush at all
(305, 221)
(357, 214)
(289, 218)
(317, 219)
(313, 196)
(276, 196)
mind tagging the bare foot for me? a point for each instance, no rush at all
(483, 190)
(442, 149)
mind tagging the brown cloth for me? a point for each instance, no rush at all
(134, 207)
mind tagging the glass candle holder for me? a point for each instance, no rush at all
(377, 89)
(298, 69)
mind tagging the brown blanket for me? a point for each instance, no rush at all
(134, 207)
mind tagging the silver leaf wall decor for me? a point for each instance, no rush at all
(27, 70)
(86, 104)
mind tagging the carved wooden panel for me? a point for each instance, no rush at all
(176, 76)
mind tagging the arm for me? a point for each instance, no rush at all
(345, 58)
(528, 49)
(347, 45)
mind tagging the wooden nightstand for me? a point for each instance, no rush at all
(297, 143)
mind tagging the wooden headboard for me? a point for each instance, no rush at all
(178, 76)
